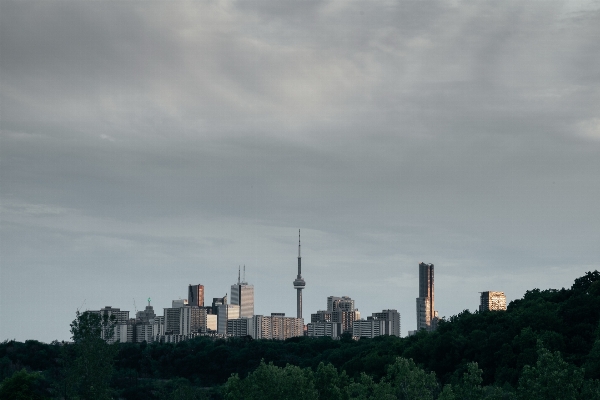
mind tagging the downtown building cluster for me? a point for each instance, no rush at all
(234, 316)
(227, 316)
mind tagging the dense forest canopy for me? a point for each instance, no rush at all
(546, 345)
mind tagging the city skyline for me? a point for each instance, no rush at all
(146, 147)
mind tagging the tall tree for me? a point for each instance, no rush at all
(89, 374)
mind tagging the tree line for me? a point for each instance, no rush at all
(545, 345)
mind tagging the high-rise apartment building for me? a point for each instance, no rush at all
(158, 327)
(426, 314)
(492, 301)
(343, 303)
(242, 294)
(368, 328)
(340, 310)
(121, 324)
(321, 316)
(277, 326)
(322, 328)
(345, 320)
(241, 327)
(121, 317)
(172, 321)
(143, 333)
(196, 295)
(391, 320)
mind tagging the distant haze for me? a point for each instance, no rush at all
(145, 146)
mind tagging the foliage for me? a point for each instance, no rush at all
(407, 381)
(550, 378)
(90, 372)
(270, 381)
(23, 385)
(181, 389)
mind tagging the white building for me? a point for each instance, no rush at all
(321, 329)
(368, 328)
(211, 322)
(158, 327)
(121, 320)
(391, 319)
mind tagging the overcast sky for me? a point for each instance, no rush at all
(146, 146)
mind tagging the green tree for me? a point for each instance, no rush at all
(590, 389)
(408, 381)
(22, 385)
(181, 389)
(447, 393)
(365, 388)
(550, 378)
(90, 372)
(329, 384)
(271, 382)
(470, 384)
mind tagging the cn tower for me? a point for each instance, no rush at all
(299, 282)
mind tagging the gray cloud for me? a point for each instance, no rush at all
(147, 147)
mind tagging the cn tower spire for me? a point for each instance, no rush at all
(299, 258)
(299, 282)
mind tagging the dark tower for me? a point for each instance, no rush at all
(299, 282)
(196, 295)
(426, 314)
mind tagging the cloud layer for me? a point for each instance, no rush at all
(146, 147)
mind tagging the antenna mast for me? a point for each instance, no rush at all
(299, 282)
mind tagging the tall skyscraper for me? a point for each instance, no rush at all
(196, 295)
(426, 314)
(242, 295)
(299, 283)
(492, 301)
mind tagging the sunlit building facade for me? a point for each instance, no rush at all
(426, 314)
(492, 301)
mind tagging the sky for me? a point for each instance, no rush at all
(146, 146)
